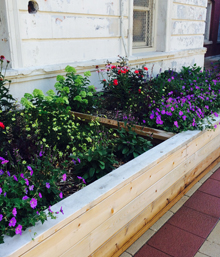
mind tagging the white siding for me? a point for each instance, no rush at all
(188, 24)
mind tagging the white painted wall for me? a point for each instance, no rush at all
(85, 33)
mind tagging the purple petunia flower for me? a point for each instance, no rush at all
(0, 190)
(50, 209)
(14, 212)
(38, 213)
(169, 80)
(18, 230)
(2, 159)
(40, 195)
(180, 113)
(176, 124)
(184, 117)
(33, 203)
(74, 161)
(64, 177)
(1, 217)
(12, 222)
(216, 114)
(172, 109)
(26, 181)
(26, 190)
(31, 172)
(163, 112)
(61, 195)
(82, 179)
(61, 210)
(5, 194)
(1, 172)
(15, 178)
(5, 161)
(144, 121)
(25, 197)
(215, 126)
(8, 173)
(31, 188)
(47, 185)
(22, 175)
(78, 160)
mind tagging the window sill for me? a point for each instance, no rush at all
(207, 42)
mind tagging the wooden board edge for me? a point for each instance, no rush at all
(158, 134)
(164, 210)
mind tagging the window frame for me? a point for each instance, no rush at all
(141, 46)
(208, 23)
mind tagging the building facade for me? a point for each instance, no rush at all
(42, 37)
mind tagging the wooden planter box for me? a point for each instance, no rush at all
(140, 130)
(104, 218)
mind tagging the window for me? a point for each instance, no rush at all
(218, 40)
(208, 22)
(143, 23)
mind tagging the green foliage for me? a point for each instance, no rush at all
(129, 145)
(77, 90)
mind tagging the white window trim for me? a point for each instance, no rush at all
(139, 47)
(208, 23)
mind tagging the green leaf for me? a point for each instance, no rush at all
(91, 172)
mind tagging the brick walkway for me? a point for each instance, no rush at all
(190, 228)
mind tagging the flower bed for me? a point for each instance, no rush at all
(100, 219)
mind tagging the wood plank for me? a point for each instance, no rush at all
(140, 130)
(116, 245)
(151, 176)
(122, 217)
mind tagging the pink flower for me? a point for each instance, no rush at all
(26, 181)
(22, 175)
(33, 203)
(5, 161)
(215, 126)
(82, 179)
(31, 188)
(18, 230)
(61, 195)
(0, 190)
(15, 178)
(1, 217)
(78, 160)
(184, 117)
(12, 222)
(2, 125)
(176, 124)
(47, 185)
(14, 212)
(40, 195)
(180, 113)
(216, 114)
(61, 210)
(25, 197)
(64, 177)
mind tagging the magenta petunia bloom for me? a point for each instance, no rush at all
(14, 212)
(169, 80)
(29, 168)
(82, 179)
(180, 113)
(172, 109)
(15, 178)
(215, 126)
(5, 194)
(22, 175)
(26, 181)
(38, 213)
(0, 190)
(74, 161)
(31, 172)
(1, 217)
(78, 160)
(144, 121)
(5, 161)
(61, 210)
(25, 197)
(64, 177)
(33, 203)
(8, 173)
(12, 222)
(40, 195)
(1, 172)
(18, 230)
(50, 209)
(2, 159)
(216, 114)
(31, 188)
(176, 124)
(184, 117)
(47, 185)
(61, 195)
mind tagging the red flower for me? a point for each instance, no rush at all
(2, 57)
(113, 67)
(119, 71)
(123, 71)
(136, 72)
(115, 82)
(8, 61)
(97, 66)
(139, 90)
(104, 80)
(2, 125)
(145, 68)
